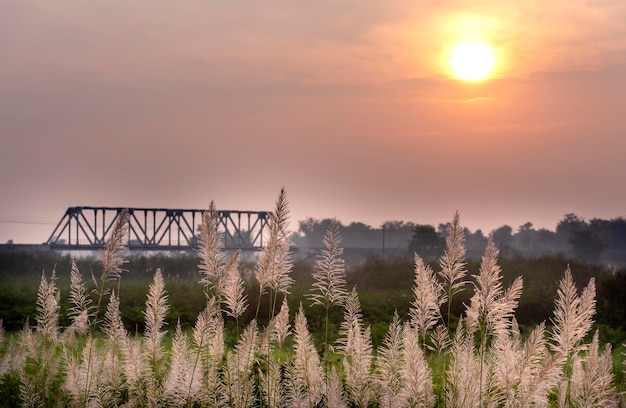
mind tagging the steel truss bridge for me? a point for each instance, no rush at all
(86, 228)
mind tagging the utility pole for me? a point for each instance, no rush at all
(384, 225)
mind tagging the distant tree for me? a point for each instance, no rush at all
(584, 239)
(525, 237)
(587, 245)
(502, 237)
(427, 243)
(313, 230)
(475, 243)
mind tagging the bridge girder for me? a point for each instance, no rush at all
(86, 228)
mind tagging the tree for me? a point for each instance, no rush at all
(586, 244)
(427, 243)
(502, 237)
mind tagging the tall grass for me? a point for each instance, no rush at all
(425, 361)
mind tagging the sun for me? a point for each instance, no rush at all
(472, 61)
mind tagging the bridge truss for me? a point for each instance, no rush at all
(87, 228)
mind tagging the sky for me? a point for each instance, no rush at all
(349, 105)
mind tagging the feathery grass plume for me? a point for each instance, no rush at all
(208, 350)
(112, 258)
(183, 381)
(389, 366)
(452, 273)
(234, 297)
(74, 381)
(428, 296)
(281, 323)
(238, 379)
(136, 372)
(307, 370)
(329, 287)
(491, 309)
(271, 386)
(16, 352)
(272, 270)
(440, 340)
(334, 390)
(156, 310)
(592, 378)
(505, 360)
(295, 394)
(113, 326)
(30, 394)
(356, 347)
(88, 379)
(418, 381)
(212, 263)
(523, 373)
(80, 312)
(573, 318)
(452, 263)
(463, 379)
(48, 306)
(573, 315)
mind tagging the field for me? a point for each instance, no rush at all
(214, 330)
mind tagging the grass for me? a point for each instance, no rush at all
(171, 341)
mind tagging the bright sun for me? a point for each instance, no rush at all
(472, 61)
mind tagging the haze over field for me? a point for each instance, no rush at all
(351, 105)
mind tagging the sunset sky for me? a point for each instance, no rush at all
(349, 104)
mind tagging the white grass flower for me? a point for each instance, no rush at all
(573, 315)
(439, 340)
(234, 297)
(81, 309)
(418, 380)
(464, 383)
(281, 323)
(308, 370)
(48, 307)
(275, 264)
(112, 258)
(136, 372)
(329, 287)
(156, 310)
(356, 347)
(334, 390)
(491, 310)
(592, 378)
(183, 381)
(428, 296)
(271, 385)
(113, 326)
(212, 264)
(452, 264)
(389, 366)
(238, 381)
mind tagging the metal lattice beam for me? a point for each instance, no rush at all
(156, 228)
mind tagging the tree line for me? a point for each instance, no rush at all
(593, 241)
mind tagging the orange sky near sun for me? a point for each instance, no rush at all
(350, 105)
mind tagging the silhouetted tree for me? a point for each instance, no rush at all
(427, 243)
(503, 238)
